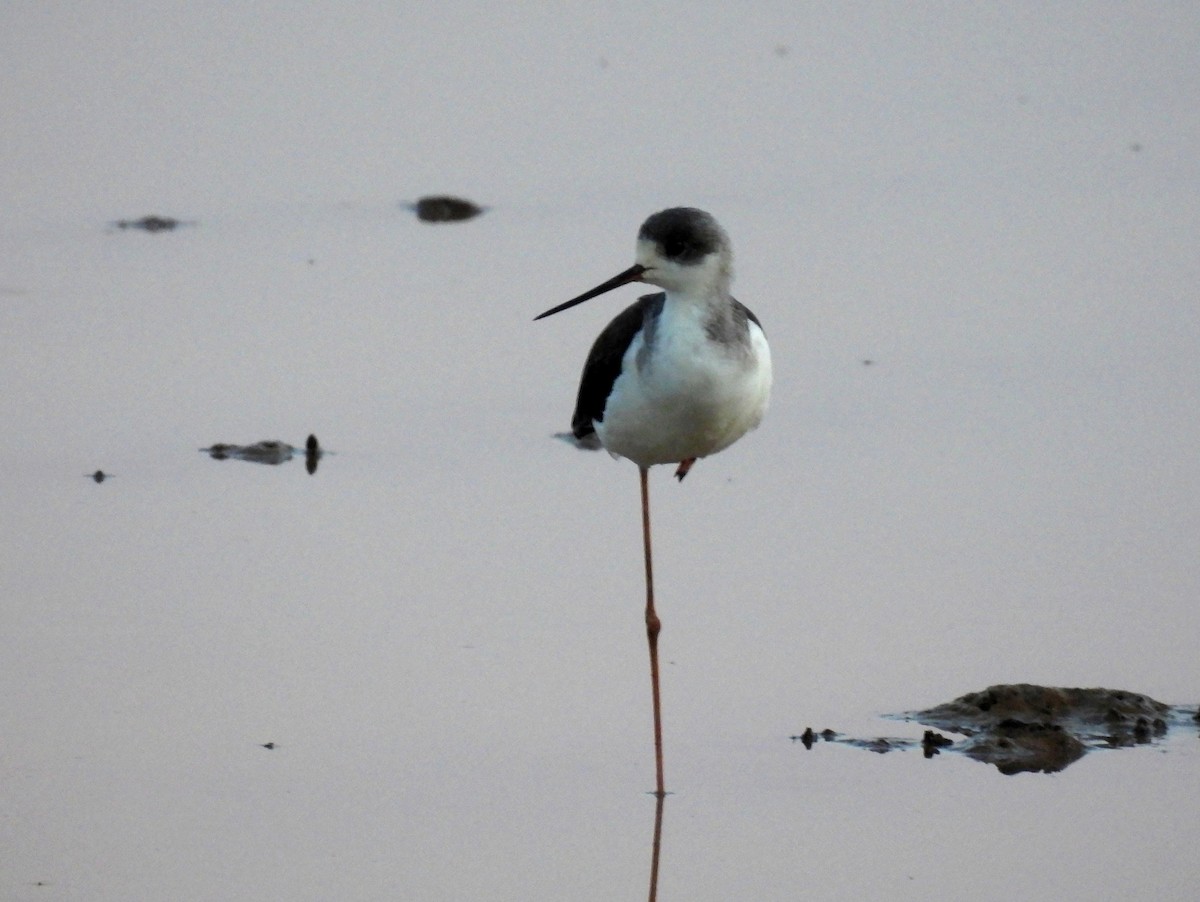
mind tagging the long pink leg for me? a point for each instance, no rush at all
(653, 626)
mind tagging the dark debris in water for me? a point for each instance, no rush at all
(152, 223)
(1022, 728)
(445, 208)
(808, 737)
(272, 452)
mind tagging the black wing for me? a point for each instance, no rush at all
(749, 315)
(604, 362)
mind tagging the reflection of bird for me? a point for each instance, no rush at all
(676, 376)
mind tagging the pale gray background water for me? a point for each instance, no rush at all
(442, 629)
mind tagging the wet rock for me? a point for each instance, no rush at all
(444, 208)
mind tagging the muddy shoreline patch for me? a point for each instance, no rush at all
(1023, 728)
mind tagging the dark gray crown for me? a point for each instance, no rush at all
(683, 234)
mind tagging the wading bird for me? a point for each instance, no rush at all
(676, 376)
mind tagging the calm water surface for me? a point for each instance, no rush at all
(440, 631)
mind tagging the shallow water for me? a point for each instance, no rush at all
(440, 630)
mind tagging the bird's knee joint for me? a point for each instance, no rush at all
(653, 625)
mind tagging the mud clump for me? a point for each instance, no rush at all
(1026, 700)
(1022, 728)
(1115, 716)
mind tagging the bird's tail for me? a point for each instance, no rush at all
(589, 442)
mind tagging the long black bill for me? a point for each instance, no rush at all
(633, 274)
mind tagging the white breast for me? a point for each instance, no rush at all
(689, 396)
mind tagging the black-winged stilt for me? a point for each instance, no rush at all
(676, 376)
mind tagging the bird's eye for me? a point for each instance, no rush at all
(679, 249)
